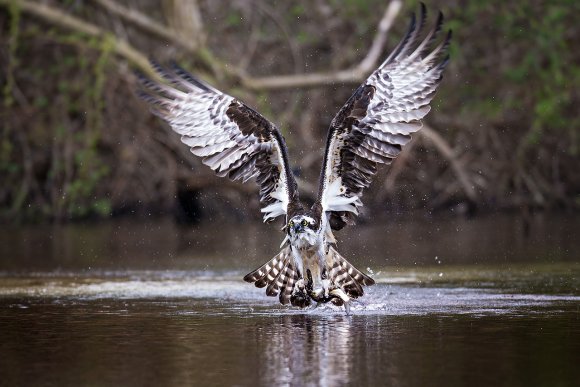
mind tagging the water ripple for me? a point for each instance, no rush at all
(402, 295)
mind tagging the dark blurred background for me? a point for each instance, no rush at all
(77, 143)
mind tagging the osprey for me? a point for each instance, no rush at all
(370, 129)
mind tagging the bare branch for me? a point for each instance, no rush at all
(354, 75)
(124, 49)
(191, 45)
(185, 19)
(301, 80)
(370, 61)
(120, 46)
(65, 20)
(445, 150)
(146, 24)
(295, 52)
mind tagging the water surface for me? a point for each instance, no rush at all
(457, 302)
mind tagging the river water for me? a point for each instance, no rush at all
(487, 301)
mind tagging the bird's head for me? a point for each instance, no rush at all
(301, 225)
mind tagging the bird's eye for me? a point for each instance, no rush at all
(305, 222)
(291, 224)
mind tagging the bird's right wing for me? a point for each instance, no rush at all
(379, 118)
(231, 138)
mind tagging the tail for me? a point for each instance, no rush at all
(345, 276)
(278, 274)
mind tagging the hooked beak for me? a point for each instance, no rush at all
(298, 228)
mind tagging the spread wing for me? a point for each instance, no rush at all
(231, 138)
(378, 119)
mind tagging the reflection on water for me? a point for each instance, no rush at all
(211, 342)
(456, 303)
(299, 348)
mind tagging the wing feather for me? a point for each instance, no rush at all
(379, 118)
(231, 138)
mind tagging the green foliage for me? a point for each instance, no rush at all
(547, 69)
(304, 37)
(362, 9)
(510, 93)
(524, 59)
(14, 30)
(79, 80)
(298, 10)
(234, 19)
(79, 199)
(10, 169)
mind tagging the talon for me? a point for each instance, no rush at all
(339, 293)
(316, 295)
(299, 286)
(347, 308)
(300, 299)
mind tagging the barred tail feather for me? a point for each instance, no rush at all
(289, 278)
(277, 274)
(274, 286)
(344, 275)
(268, 271)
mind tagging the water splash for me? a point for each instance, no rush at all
(405, 294)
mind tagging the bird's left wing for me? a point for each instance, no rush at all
(231, 138)
(378, 119)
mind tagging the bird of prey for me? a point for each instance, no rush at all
(370, 129)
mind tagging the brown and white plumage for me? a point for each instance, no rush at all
(371, 128)
(379, 118)
(233, 139)
(278, 274)
(344, 273)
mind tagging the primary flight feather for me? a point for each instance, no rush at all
(370, 129)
